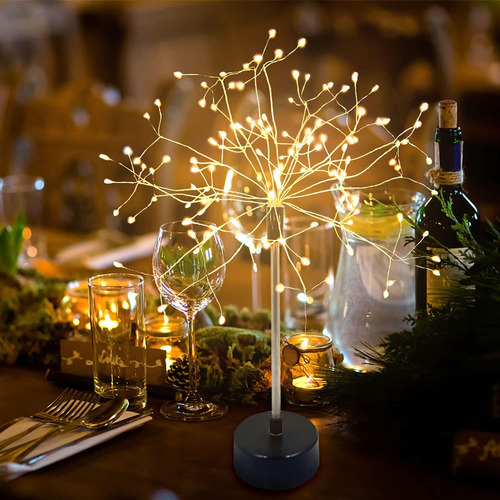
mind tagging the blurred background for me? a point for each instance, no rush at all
(76, 77)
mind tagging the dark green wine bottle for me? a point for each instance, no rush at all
(434, 288)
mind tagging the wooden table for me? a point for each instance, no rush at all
(194, 461)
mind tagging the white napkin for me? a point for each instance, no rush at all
(61, 443)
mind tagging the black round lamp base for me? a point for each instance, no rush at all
(276, 462)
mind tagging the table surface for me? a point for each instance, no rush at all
(195, 460)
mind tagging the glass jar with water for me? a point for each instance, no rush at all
(374, 286)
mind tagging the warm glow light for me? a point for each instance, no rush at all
(256, 164)
(107, 323)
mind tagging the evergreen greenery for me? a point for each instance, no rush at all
(31, 323)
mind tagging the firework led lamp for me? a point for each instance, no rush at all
(275, 450)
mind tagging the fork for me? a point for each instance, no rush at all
(61, 408)
(75, 412)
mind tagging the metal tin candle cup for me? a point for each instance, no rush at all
(118, 337)
(305, 356)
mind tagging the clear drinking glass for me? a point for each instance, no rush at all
(189, 269)
(23, 194)
(375, 281)
(118, 337)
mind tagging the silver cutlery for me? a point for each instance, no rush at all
(69, 406)
(97, 418)
(114, 425)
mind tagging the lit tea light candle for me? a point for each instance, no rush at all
(308, 383)
(164, 326)
(107, 322)
(168, 361)
(306, 389)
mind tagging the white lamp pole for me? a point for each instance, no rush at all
(274, 233)
(275, 450)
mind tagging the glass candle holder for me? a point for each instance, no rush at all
(118, 337)
(305, 357)
(23, 195)
(168, 333)
(75, 306)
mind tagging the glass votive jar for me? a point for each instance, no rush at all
(75, 306)
(306, 357)
(168, 333)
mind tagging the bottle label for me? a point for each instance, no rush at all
(448, 156)
(439, 286)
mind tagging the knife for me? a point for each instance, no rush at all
(33, 459)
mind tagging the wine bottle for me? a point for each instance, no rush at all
(433, 288)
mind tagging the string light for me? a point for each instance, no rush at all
(285, 168)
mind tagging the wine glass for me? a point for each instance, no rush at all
(189, 269)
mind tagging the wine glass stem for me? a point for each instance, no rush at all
(193, 396)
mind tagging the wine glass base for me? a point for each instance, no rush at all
(184, 412)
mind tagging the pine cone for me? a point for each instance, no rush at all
(178, 375)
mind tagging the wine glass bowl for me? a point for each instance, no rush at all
(189, 269)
